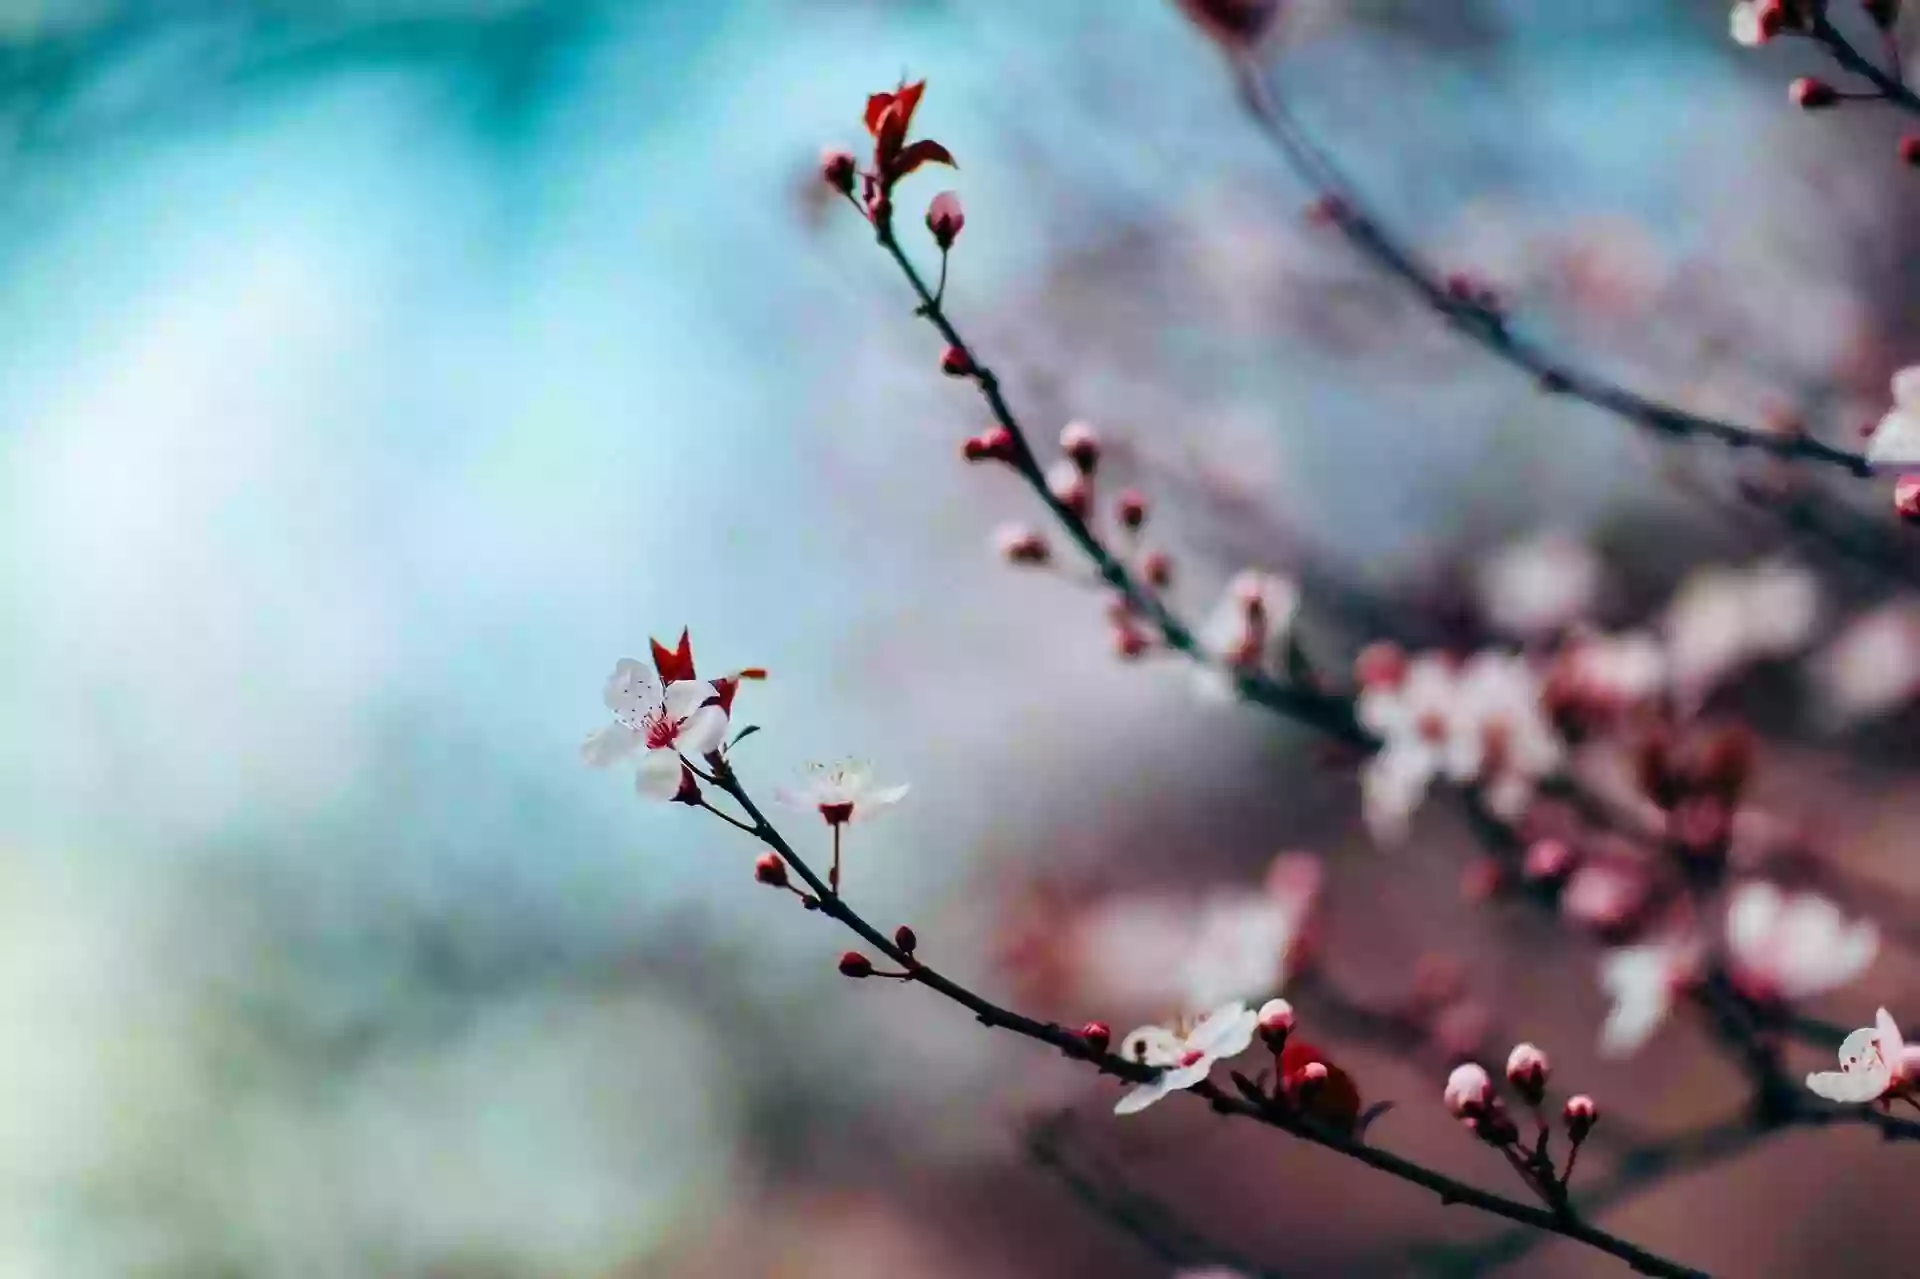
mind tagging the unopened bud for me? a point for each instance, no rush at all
(1130, 643)
(906, 939)
(855, 964)
(1527, 1072)
(1068, 484)
(1380, 666)
(945, 218)
(837, 168)
(1469, 1089)
(1131, 507)
(1097, 1035)
(1810, 94)
(1547, 859)
(1079, 443)
(1910, 150)
(955, 362)
(1906, 498)
(1328, 210)
(1157, 569)
(1018, 544)
(1581, 1114)
(771, 870)
(995, 444)
(1276, 1020)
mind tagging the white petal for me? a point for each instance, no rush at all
(659, 776)
(1142, 1096)
(1850, 1087)
(1892, 1047)
(1896, 440)
(1744, 24)
(872, 803)
(1225, 1032)
(1187, 1076)
(703, 731)
(685, 696)
(1906, 387)
(1751, 917)
(631, 690)
(610, 745)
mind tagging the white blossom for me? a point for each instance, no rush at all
(1641, 981)
(1184, 1058)
(1873, 665)
(1873, 1062)
(1723, 619)
(1539, 586)
(842, 792)
(663, 722)
(1896, 440)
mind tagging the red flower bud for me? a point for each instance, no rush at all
(1022, 546)
(855, 964)
(906, 939)
(995, 444)
(1906, 498)
(1157, 569)
(1131, 508)
(1910, 150)
(1810, 94)
(945, 218)
(955, 362)
(1130, 643)
(1098, 1035)
(837, 169)
(771, 870)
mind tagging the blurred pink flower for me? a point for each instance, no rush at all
(1642, 981)
(1896, 439)
(1873, 666)
(1536, 587)
(1793, 947)
(1723, 619)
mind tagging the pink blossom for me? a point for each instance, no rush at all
(1539, 586)
(1794, 946)
(1469, 1089)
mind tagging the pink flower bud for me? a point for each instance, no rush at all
(1276, 1020)
(855, 964)
(1097, 1035)
(945, 218)
(1018, 544)
(1157, 569)
(995, 444)
(1469, 1089)
(1810, 94)
(1581, 1114)
(1527, 1072)
(1131, 508)
(1547, 859)
(1906, 498)
(955, 362)
(837, 169)
(770, 870)
(1069, 486)
(1130, 643)
(1078, 442)
(1328, 210)
(1235, 25)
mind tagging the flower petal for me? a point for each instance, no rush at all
(686, 696)
(1142, 1096)
(1152, 1046)
(1225, 1032)
(659, 775)
(630, 692)
(704, 730)
(1896, 440)
(610, 745)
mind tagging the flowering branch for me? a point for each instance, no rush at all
(1888, 86)
(1480, 319)
(1079, 1046)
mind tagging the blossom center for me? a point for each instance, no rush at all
(659, 729)
(837, 813)
(1190, 1057)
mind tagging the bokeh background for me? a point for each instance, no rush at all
(376, 372)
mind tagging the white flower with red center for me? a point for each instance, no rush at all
(665, 722)
(1642, 981)
(1875, 1064)
(1411, 707)
(842, 792)
(1595, 677)
(1745, 25)
(1185, 1056)
(1896, 439)
(1539, 586)
(1793, 947)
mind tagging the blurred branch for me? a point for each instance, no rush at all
(1149, 1223)
(1888, 85)
(1486, 326)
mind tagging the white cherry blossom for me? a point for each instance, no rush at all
(1723, 619)
(664, 723)
(1896, 440)
(842, 792)
(1184, 1058)
(1873, 665)
(1536, 587)
(1642, 981)
(1873, 1063)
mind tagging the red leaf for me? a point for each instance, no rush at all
(877, 105)
(925, 151)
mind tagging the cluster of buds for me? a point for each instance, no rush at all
(1754, 22)
(1471, 1098)
(1697, 781)
(1307, 1081)
(1070, 479)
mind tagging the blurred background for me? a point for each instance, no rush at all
(377, 372)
